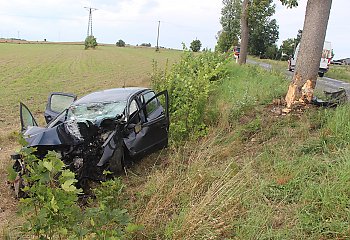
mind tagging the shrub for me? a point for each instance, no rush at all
(52, 211)
(90, 42)
(196, 45)
(145, 45)
(120, 43)
(189, 84)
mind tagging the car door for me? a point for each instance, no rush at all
(149, 131)
(26, 117)
(57, 103)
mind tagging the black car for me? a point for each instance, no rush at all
(98, 131)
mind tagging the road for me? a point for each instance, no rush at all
(322, 84)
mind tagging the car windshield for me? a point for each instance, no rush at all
(95, 111)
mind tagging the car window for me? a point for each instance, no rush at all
(60, 102)
(95, 111)
(133, 107)
(151, 106)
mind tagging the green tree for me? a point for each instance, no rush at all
(90, 42)
(272, 52)
(260, 30)
(252, 7)
(230, 22)
(225, 41)
(120, 43)
(196, 45)
(288, 46)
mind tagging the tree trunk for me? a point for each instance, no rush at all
(302, 87)
(244, 33)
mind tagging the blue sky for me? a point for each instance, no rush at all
(135, 21)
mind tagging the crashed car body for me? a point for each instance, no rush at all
(96, 132)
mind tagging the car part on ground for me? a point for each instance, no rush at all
(332, 99)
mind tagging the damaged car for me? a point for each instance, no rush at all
(98, 131)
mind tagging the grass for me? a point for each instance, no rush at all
(257, 175)
(339, 72)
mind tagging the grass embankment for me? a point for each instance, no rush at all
(257, 175)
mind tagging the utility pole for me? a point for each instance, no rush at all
(157, 48)
(89, 30)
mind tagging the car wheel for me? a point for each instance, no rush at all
(321, 74)
(116, 163)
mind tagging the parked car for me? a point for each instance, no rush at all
(98, 131)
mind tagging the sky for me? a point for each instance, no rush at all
(136, 21)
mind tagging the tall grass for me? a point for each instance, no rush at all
(339, 72)
(256, 175)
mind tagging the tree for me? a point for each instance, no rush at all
(272, 52)
(225, 41)
(262, 31)
(262, 36)
(288, 46)
(196, 45)
(120, 43)
(244, 33)
(303, 84)
(90, 42)
(230, 22)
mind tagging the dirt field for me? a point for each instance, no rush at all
(29, 72)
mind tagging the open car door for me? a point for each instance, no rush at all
(150, 130)
(57, 103)
(27, 119)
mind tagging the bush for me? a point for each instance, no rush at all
(196, 45)
(52, 210)
(90, 42)
(120, 43)
(189, 84)
(145, 45)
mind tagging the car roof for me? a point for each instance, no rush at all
(110, 95)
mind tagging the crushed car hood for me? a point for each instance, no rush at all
(58, 135)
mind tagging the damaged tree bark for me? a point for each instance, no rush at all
(302, 87)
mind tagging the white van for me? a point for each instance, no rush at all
(324, 63)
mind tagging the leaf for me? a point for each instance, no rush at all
(68, 185)
(48, 165)
(12, 174)
(92, 222)
(54, 205)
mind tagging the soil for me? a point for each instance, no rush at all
(8, 203)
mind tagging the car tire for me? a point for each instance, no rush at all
(116, 163)
(320, 74)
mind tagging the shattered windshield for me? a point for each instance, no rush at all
(95, 111)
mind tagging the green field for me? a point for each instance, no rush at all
(29, 72)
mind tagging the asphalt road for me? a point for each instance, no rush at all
(322, 84)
